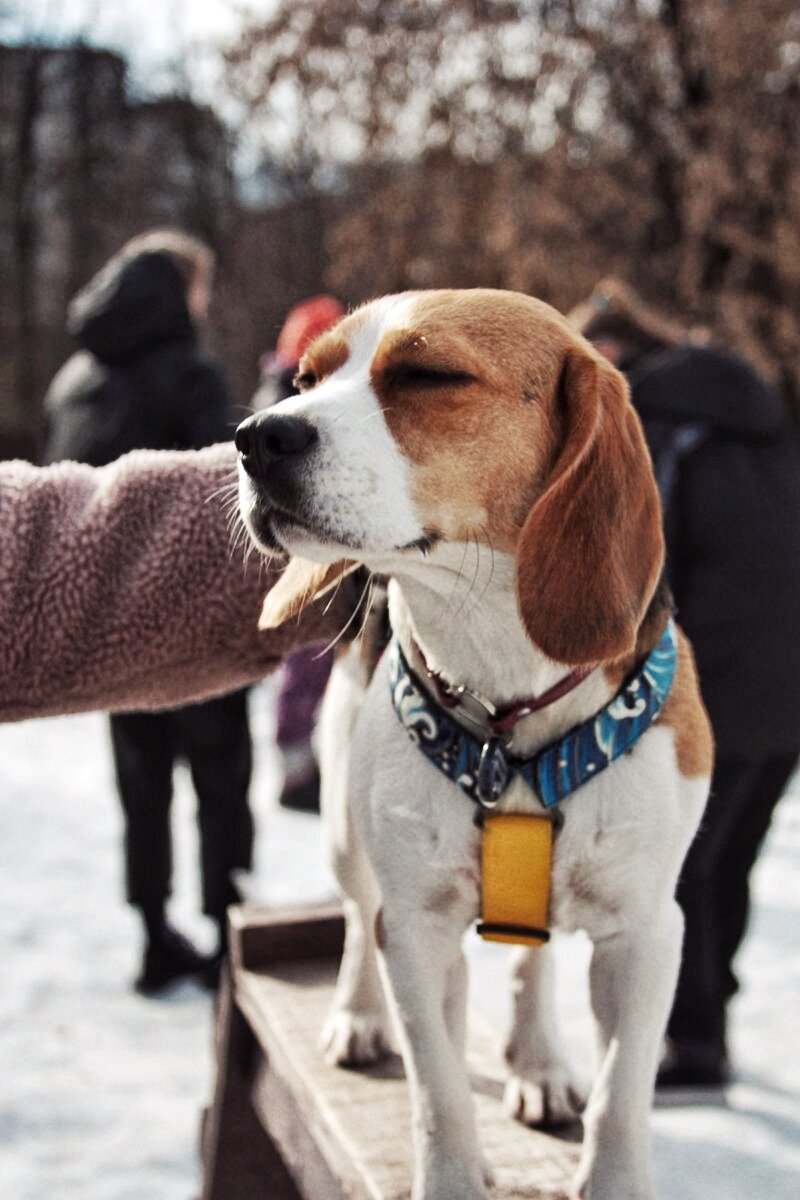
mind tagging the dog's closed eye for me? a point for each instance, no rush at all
(418, 376)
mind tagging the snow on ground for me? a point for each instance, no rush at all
(101, 1090)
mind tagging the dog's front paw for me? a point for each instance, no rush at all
(551, 1098)
(352, 1039)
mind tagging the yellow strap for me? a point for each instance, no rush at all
(516, 850)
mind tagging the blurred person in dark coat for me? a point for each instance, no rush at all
(305, 673)
(728, 468)
(139, 381)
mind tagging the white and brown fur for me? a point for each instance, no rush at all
(471, 448)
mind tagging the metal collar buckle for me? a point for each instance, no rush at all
(494, 772)
(472, 707)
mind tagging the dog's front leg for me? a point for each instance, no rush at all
(358, 1028)
(542, 1089)
(423, 961)
(632, 978)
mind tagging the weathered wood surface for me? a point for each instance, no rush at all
(240, 1159)
(345, 1135)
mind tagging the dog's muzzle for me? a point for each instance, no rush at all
(269, 444)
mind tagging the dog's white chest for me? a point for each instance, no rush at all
(422, 834)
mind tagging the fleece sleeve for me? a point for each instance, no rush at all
(126, 587)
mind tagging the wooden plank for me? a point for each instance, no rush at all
(240, 1160)
(259, 936)
(345, 1135)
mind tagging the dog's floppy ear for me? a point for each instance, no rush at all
(591, 549)
(301, 583)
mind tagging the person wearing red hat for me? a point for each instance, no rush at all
(304, 322)
(305, 673)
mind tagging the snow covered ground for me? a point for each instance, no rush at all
(101, 1090)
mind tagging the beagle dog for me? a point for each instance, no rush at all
(471, 448)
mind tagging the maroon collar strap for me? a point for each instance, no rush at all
(501, 720)
(506, 718)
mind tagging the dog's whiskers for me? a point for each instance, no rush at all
(475, 571)
(335, 641)
(225, 489)
(474, 579)
(335, 592)
(370, 585)
(366, 417)
(458, 576)
(236, 532)
(487, 585)
(379, 412)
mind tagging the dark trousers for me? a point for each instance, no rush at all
(214, 738)
(714, 891)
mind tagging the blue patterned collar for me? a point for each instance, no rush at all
(483, 768)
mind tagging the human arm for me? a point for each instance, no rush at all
(121, 587)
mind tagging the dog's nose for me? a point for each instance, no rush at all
(265, 438)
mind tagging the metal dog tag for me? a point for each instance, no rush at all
(493, 772)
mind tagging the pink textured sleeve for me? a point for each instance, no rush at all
(124, 587)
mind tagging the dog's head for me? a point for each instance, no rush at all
(451, 416)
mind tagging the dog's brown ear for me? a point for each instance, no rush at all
(301, 583)
(591, 549)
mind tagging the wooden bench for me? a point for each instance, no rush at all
(283, 1125)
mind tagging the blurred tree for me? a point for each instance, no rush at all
(271, 258)
(84, 168)
(540, 144)
(52, 210)
(700, 102)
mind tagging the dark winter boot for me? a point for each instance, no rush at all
(170, 957)
(690, 1063)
